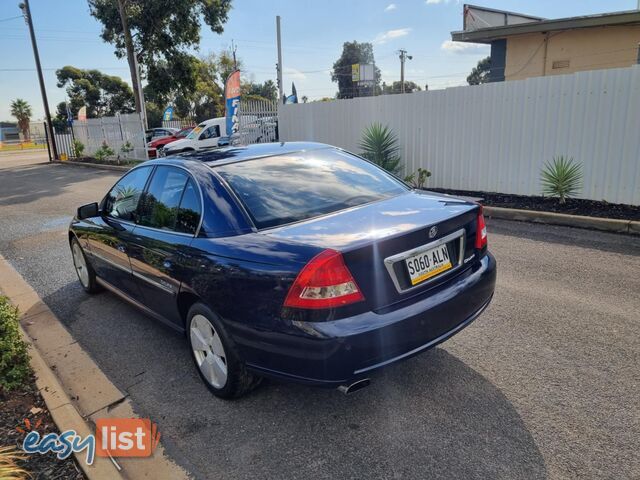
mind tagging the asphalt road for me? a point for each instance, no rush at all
(543, 385)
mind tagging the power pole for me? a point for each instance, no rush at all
(26, 11)
(279, 66)
(143, 109)
(403, 57)
(131, 58)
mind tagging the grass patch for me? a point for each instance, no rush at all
(15, 371)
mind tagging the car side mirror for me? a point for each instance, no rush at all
(87, 211)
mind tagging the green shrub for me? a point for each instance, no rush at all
(561, 178)
(380, 145)
(78, 148)
(418, 178)
(14, 359)
(104, 152)
(126, 149)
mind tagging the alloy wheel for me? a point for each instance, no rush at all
(208, 351)
(80, 264)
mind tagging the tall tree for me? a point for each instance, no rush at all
(101, 93)
(396, 87)
(160, 31)
(353, 52)
(480, 73)
(267, 90)
(22, 111)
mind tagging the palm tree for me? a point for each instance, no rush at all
(22, 111)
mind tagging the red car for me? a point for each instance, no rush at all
(159, 143)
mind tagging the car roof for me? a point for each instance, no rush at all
(212, 121)
(218, 156)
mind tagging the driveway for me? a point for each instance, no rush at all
(543, 385)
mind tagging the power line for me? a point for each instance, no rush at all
(10, 18)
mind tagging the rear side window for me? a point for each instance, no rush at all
(293, 187)
(159, 204)
(121, 202)
(190, 210)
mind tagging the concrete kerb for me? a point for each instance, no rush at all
(74, 388)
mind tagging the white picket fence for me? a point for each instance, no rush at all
(115, 132)
(496, 137)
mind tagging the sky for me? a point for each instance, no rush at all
(312, 36)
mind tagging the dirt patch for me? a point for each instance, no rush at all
(573, 206)
(21, 409)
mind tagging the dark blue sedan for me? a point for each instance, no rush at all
(297, 261)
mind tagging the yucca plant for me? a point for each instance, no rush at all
(380, 145)
(561, 178)
(9, 469)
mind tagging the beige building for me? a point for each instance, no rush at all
(524, 46)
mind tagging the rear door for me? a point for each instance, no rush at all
(168, 218)
(108, 244)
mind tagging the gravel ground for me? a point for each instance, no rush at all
(543, 385)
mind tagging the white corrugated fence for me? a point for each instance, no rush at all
(115, 132)
(496, 137)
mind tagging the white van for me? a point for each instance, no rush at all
(205, 135)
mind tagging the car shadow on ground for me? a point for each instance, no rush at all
(431, 416)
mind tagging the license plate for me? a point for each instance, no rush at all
(428, 264)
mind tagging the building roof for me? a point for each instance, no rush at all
(487, 35)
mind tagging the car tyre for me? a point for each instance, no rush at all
(84, 270)
(216, 356)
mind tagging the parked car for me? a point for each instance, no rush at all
(158, 144)
(205, 135)
(155, 133)
(297, 261)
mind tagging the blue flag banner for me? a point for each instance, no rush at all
(69, 115)
(167, 116)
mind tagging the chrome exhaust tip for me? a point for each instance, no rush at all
(355, 386)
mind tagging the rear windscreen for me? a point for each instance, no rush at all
(293, 187)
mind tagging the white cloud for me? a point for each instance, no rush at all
(464, 48)
(437, 2)
(390, 35)
(391, 6)
(293, 73)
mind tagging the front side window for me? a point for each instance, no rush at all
(159, 204)
(292, 187)
(212, 132)
(121, 202)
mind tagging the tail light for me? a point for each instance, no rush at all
(481, 231)
(324, 282)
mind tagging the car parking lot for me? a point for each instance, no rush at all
(543, 385)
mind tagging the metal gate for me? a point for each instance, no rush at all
(258, 120)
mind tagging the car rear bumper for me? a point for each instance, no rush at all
(337, 352)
